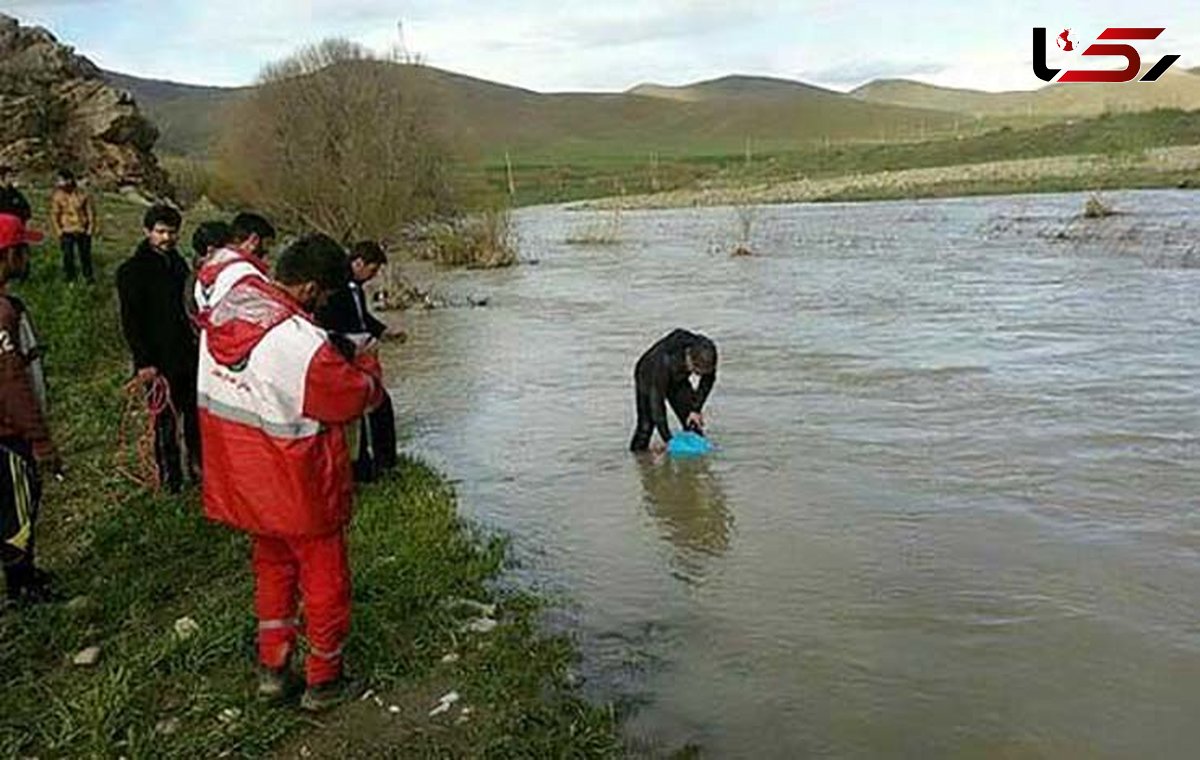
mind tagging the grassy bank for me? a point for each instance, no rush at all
(135, 564)
(1159, 167)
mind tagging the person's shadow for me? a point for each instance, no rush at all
(686, 500)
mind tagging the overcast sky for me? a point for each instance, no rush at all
(561, 45)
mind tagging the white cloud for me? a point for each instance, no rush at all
(554, 45)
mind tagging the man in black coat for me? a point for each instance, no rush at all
(151, 286)
(347, 317)
(663, 375)
(12, 200)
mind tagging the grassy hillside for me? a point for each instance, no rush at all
(1178, 88)
(569, 146)
(1115, 135)
(956, 100)
(486, 119)
(741, 88)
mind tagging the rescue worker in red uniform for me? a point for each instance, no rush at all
(275, 396)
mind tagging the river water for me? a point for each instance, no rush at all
(954, 508)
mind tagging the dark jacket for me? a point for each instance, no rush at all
(156, 327)
(346, 312)
(662, 375)
(12, 201)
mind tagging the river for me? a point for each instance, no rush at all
(953, 511)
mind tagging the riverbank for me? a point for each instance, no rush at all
(1160, 167)
(166, 597)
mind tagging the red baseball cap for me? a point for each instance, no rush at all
(13, 232)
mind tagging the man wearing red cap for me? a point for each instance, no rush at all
(24, 434)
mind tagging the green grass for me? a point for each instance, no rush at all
(137, 562)
(550, 182)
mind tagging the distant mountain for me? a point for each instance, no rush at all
(735, 87)
(718, 116)
(489, 118)
(162, 90)
(1176, 89)
(905, 92)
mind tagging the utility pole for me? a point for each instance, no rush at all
(401, 48)
(512, 184)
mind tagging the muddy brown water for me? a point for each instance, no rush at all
(954, 510)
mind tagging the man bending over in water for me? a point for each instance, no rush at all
(663, 375)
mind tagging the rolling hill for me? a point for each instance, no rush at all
(487, 118)
(1177, 89)
(713, 117)
(735, 87)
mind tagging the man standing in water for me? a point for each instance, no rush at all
(663, 375)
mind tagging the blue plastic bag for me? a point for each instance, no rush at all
(688, 444)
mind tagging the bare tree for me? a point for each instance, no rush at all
(337, 140)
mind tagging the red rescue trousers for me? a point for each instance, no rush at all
(318, 569)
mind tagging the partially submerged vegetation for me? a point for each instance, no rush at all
(166, 597)
(746, 214)
(485, 240)
(1096, 208)
(601, 229)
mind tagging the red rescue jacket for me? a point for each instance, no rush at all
(274, 396)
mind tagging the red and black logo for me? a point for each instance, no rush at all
(1133, 59)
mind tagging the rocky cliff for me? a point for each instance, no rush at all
(56, 111)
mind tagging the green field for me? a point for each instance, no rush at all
(1111, 135)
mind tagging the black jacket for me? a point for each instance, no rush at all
(156, 327)
(346, 312)
(12, 201)
(662, 375)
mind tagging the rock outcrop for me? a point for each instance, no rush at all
(57, 111)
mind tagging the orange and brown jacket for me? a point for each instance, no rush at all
(71, 212)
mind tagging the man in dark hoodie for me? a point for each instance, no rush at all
(151, 288)
(663, 375)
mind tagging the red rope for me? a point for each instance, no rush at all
(148, 400)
